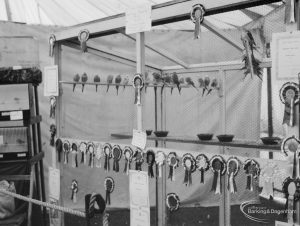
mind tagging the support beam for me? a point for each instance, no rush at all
(208, 67)
(111, 55)
(223, 35)
(252, 15)
(162, 52)
(168, 12)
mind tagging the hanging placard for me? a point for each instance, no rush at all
(50, 78)
(285, 54)
(138, 18)
(139, 198)
(139, 139)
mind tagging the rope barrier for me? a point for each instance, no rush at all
(45, 204)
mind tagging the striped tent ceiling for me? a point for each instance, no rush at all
(68, 13)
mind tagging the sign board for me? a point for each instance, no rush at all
(285, 50)
(139, 198)
(51, 81)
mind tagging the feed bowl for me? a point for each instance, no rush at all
(225, 137)
(205, 136)
(270, 140)
(161, 133)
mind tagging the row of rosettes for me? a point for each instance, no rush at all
(91, 153)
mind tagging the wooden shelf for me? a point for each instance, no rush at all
(213, 142)
(21, 123)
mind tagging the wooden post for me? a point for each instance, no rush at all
(58, 113)
(269, 97)
(224, 209)
(140, 68)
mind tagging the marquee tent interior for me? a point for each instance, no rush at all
(94, 116)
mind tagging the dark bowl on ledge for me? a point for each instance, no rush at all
(270, 140)
(161, 133)
(205, 136)
(225, 137)
(148, 132)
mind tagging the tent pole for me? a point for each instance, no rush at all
(140, 63)
(269, 97)
(297, 220)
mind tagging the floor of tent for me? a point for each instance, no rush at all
(183, 217)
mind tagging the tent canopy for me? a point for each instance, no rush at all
(69, 13)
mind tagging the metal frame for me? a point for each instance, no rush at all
(169, 12)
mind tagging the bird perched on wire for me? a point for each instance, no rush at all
(96, 79)
(109, 81)
(84, 79)
(157, 79)
(166, 79)
(125, 81)
(201, 85)
(147, 80)
(213, 85)
(76, 78)
(176, 82)
(189, 81)
(118, 81)
(206, 83)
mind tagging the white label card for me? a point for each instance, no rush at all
(16, 115)
(139, 198)
(139, 139)
(51, 81)
(285, 55)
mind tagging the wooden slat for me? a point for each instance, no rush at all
(207, 67)
(161, 14)
(213, 142)
(14, 177)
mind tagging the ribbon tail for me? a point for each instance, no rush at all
(219, 185)
(248, 185)
(197, 29)
(215, 180)
(202, 176)
(290, 208)
(173, 174)
(126, 166)
(90, 160)
(82, 157)
(58, 156)
(234, 186)
(190, 177)
(185, 181)
(117, 166)
(114, 166)
(170, 173)
(105, 163)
